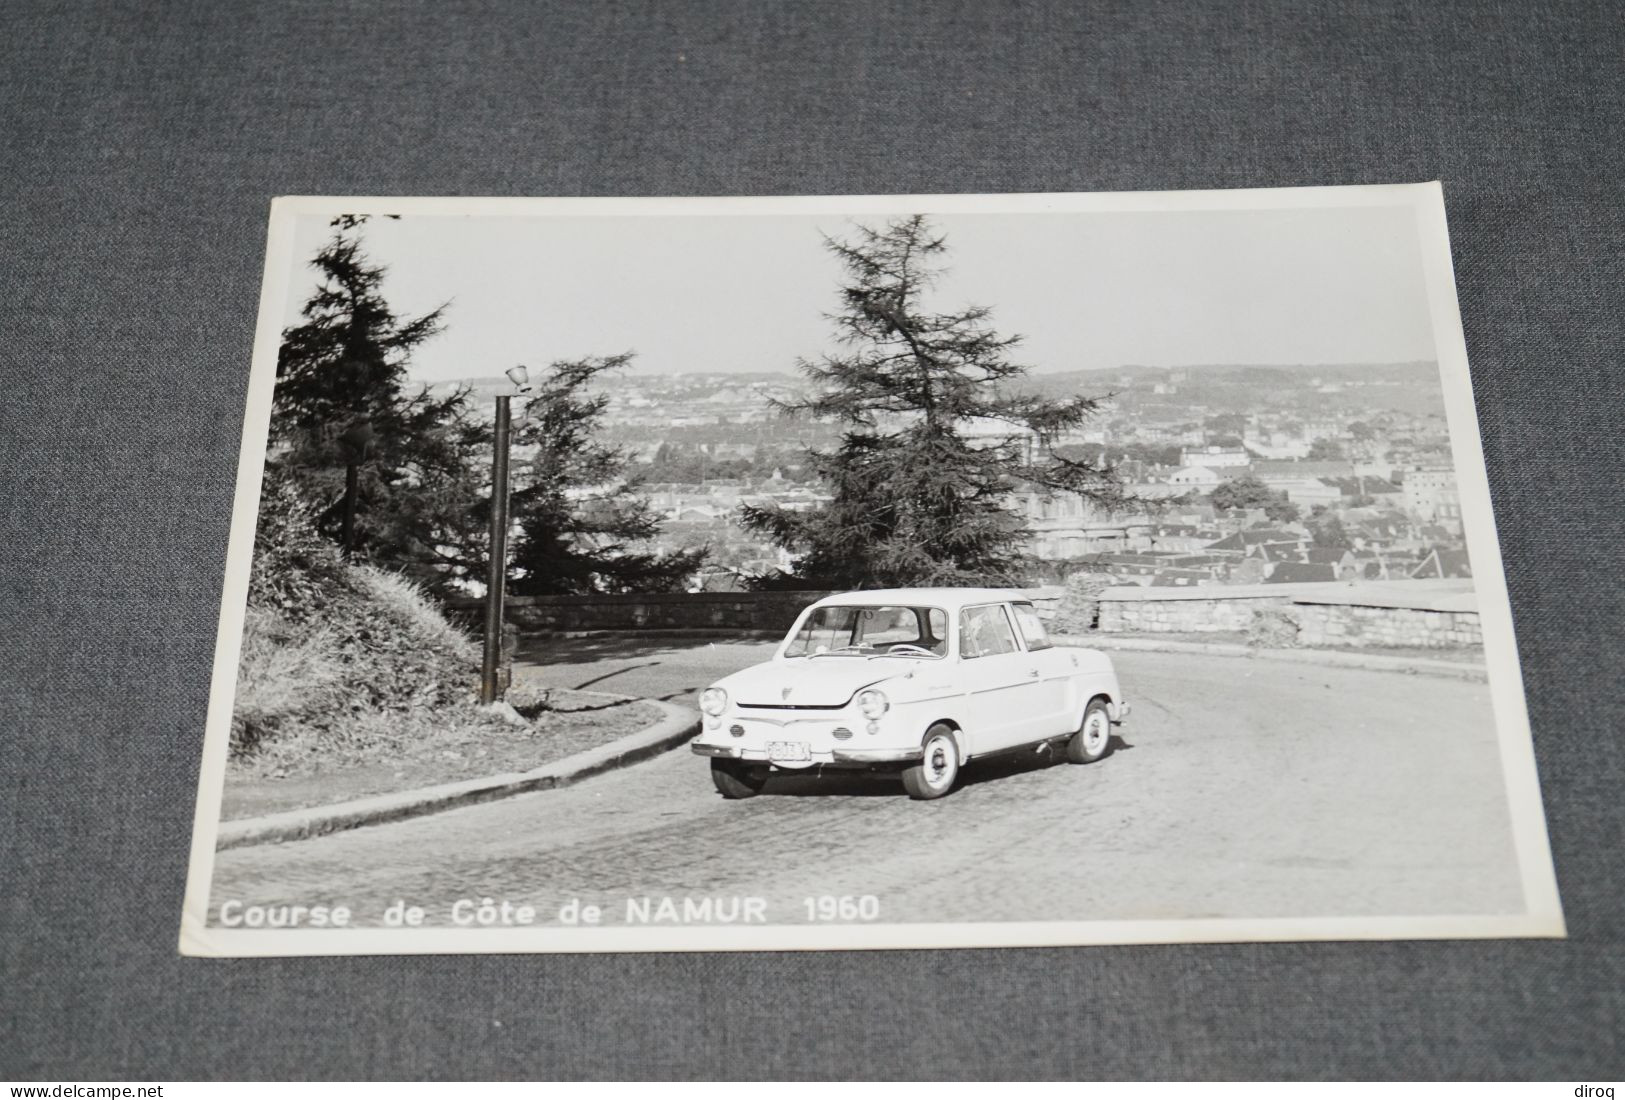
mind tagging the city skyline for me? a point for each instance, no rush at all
(632, 371)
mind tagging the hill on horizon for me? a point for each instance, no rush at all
(1260, 371)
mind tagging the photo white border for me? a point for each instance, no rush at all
(1543, 916)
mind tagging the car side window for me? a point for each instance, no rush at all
(1032, 627)
(985, 632)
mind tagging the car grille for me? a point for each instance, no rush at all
(841, 733)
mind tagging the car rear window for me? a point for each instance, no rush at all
(1032, 628)
(985, 632)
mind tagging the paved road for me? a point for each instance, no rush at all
(1238, 789)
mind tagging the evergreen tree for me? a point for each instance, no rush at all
(917, 499)
(386, 463)
(580, 519)
(1327, 530)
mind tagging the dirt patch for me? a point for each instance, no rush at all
(457, 743)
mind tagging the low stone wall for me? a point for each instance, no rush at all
(1220, 616)
(1425, 614)
(1353, 625)
(771, 611)
(768, 611)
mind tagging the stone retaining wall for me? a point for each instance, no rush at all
(1181, 616)
(1352, 625)
(764, 611)
(772, 611)
(1389, 614)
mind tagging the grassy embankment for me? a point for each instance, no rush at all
(351, 682)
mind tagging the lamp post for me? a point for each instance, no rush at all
(497, 579)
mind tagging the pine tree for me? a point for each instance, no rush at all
(936, 434)
(581, 522)
(388, 464)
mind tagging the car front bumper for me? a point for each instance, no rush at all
(855, 758)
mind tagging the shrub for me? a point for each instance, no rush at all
(1079, 610)
(337, 655)
(286, 671)
(295, 568)
(1273, 628)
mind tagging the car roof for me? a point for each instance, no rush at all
(947, 598)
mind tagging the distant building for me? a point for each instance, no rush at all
(1278, 551)
(986, 431)
(1314, 492)
(1204, 477)
(1214, 456)
(1276, 445)
(1305, 484)
(1268, 470)
(1242, 542)
(1431, 494)
(1180, 578)
(1441, 563)
(1067, 526)
(1379, 533)
(1147, 432)
(1363, 485)
(1183, 538)
(1340, 556)
(1139, 568)
(731, 450)
(1247, 571)
(1292, 572)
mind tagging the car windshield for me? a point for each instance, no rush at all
(878, 631)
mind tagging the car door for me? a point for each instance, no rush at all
(1003, 695)
(1056, 711)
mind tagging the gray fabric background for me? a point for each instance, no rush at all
(141, 144)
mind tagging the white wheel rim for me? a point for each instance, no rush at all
(1096, 731)
(939, 762)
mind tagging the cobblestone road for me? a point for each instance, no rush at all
(1240, 789)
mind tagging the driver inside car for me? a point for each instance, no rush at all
(901, 627)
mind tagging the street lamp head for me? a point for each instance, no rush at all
(520, 377)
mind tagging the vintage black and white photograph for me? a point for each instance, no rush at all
(913, 571)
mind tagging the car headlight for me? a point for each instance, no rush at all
(713, 701)
(872, 702)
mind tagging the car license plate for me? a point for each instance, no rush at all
(788, 750)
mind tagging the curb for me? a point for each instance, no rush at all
(679, 725)
(1374, 662)
(668, 634)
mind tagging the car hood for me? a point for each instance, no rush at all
(811, 682)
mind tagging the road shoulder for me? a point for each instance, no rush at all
(677, 726)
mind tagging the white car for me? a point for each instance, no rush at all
(920, 680)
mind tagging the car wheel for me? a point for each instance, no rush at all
(934, 775)
(736, 780)
(1094, 737)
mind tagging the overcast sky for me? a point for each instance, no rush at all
(747, 293)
